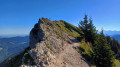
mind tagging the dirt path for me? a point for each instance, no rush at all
(69, 57)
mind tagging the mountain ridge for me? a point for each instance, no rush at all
(49, 38)
(50, 44)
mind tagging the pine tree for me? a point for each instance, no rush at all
(103, 55)
(88, 29)
(83, 25)
(92, 31)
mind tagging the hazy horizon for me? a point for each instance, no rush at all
(106, 32)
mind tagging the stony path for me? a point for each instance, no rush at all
(69, 57)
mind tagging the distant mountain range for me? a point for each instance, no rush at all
(12, 46)
(12, 35)
(113, 34)
(116, 37)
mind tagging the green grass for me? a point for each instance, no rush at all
(86, 51)
(117, 63)
(63, 26)
(85, 48)
(67, 28)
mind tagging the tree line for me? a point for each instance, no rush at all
(105, 49)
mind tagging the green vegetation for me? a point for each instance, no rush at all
(67, 28)
(115, 46)
(86, 50)
(49, 46)
(16, 61)
(103, 55)
(46, 20)
(117, 63)
(62, 26)
(97, 48)
(100, 52)
(88, 29)
(13, 62)
(59, 35)
(28, 58)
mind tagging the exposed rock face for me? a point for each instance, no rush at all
(51, 47)
(36, 34)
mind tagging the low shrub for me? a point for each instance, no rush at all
(86, 50)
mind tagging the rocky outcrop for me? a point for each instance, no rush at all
(36, 34)
(51, 47)
(45, 41)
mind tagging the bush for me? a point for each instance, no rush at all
(86, 50)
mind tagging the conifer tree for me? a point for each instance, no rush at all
(88, 29)
(103, 55)
(83, 25)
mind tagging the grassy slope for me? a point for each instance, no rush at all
(85, 49)
(64, 26)
(67, 28)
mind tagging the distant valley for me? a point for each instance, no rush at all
(12, 46)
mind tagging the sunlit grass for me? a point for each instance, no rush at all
(117, 63)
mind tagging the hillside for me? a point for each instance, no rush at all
(12, 46)
(61, 44)
(52, 44)
(64, 26)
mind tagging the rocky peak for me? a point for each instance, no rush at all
(41, 31)
(50, 46)
(45, 41)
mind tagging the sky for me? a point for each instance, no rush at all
(19, 16)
